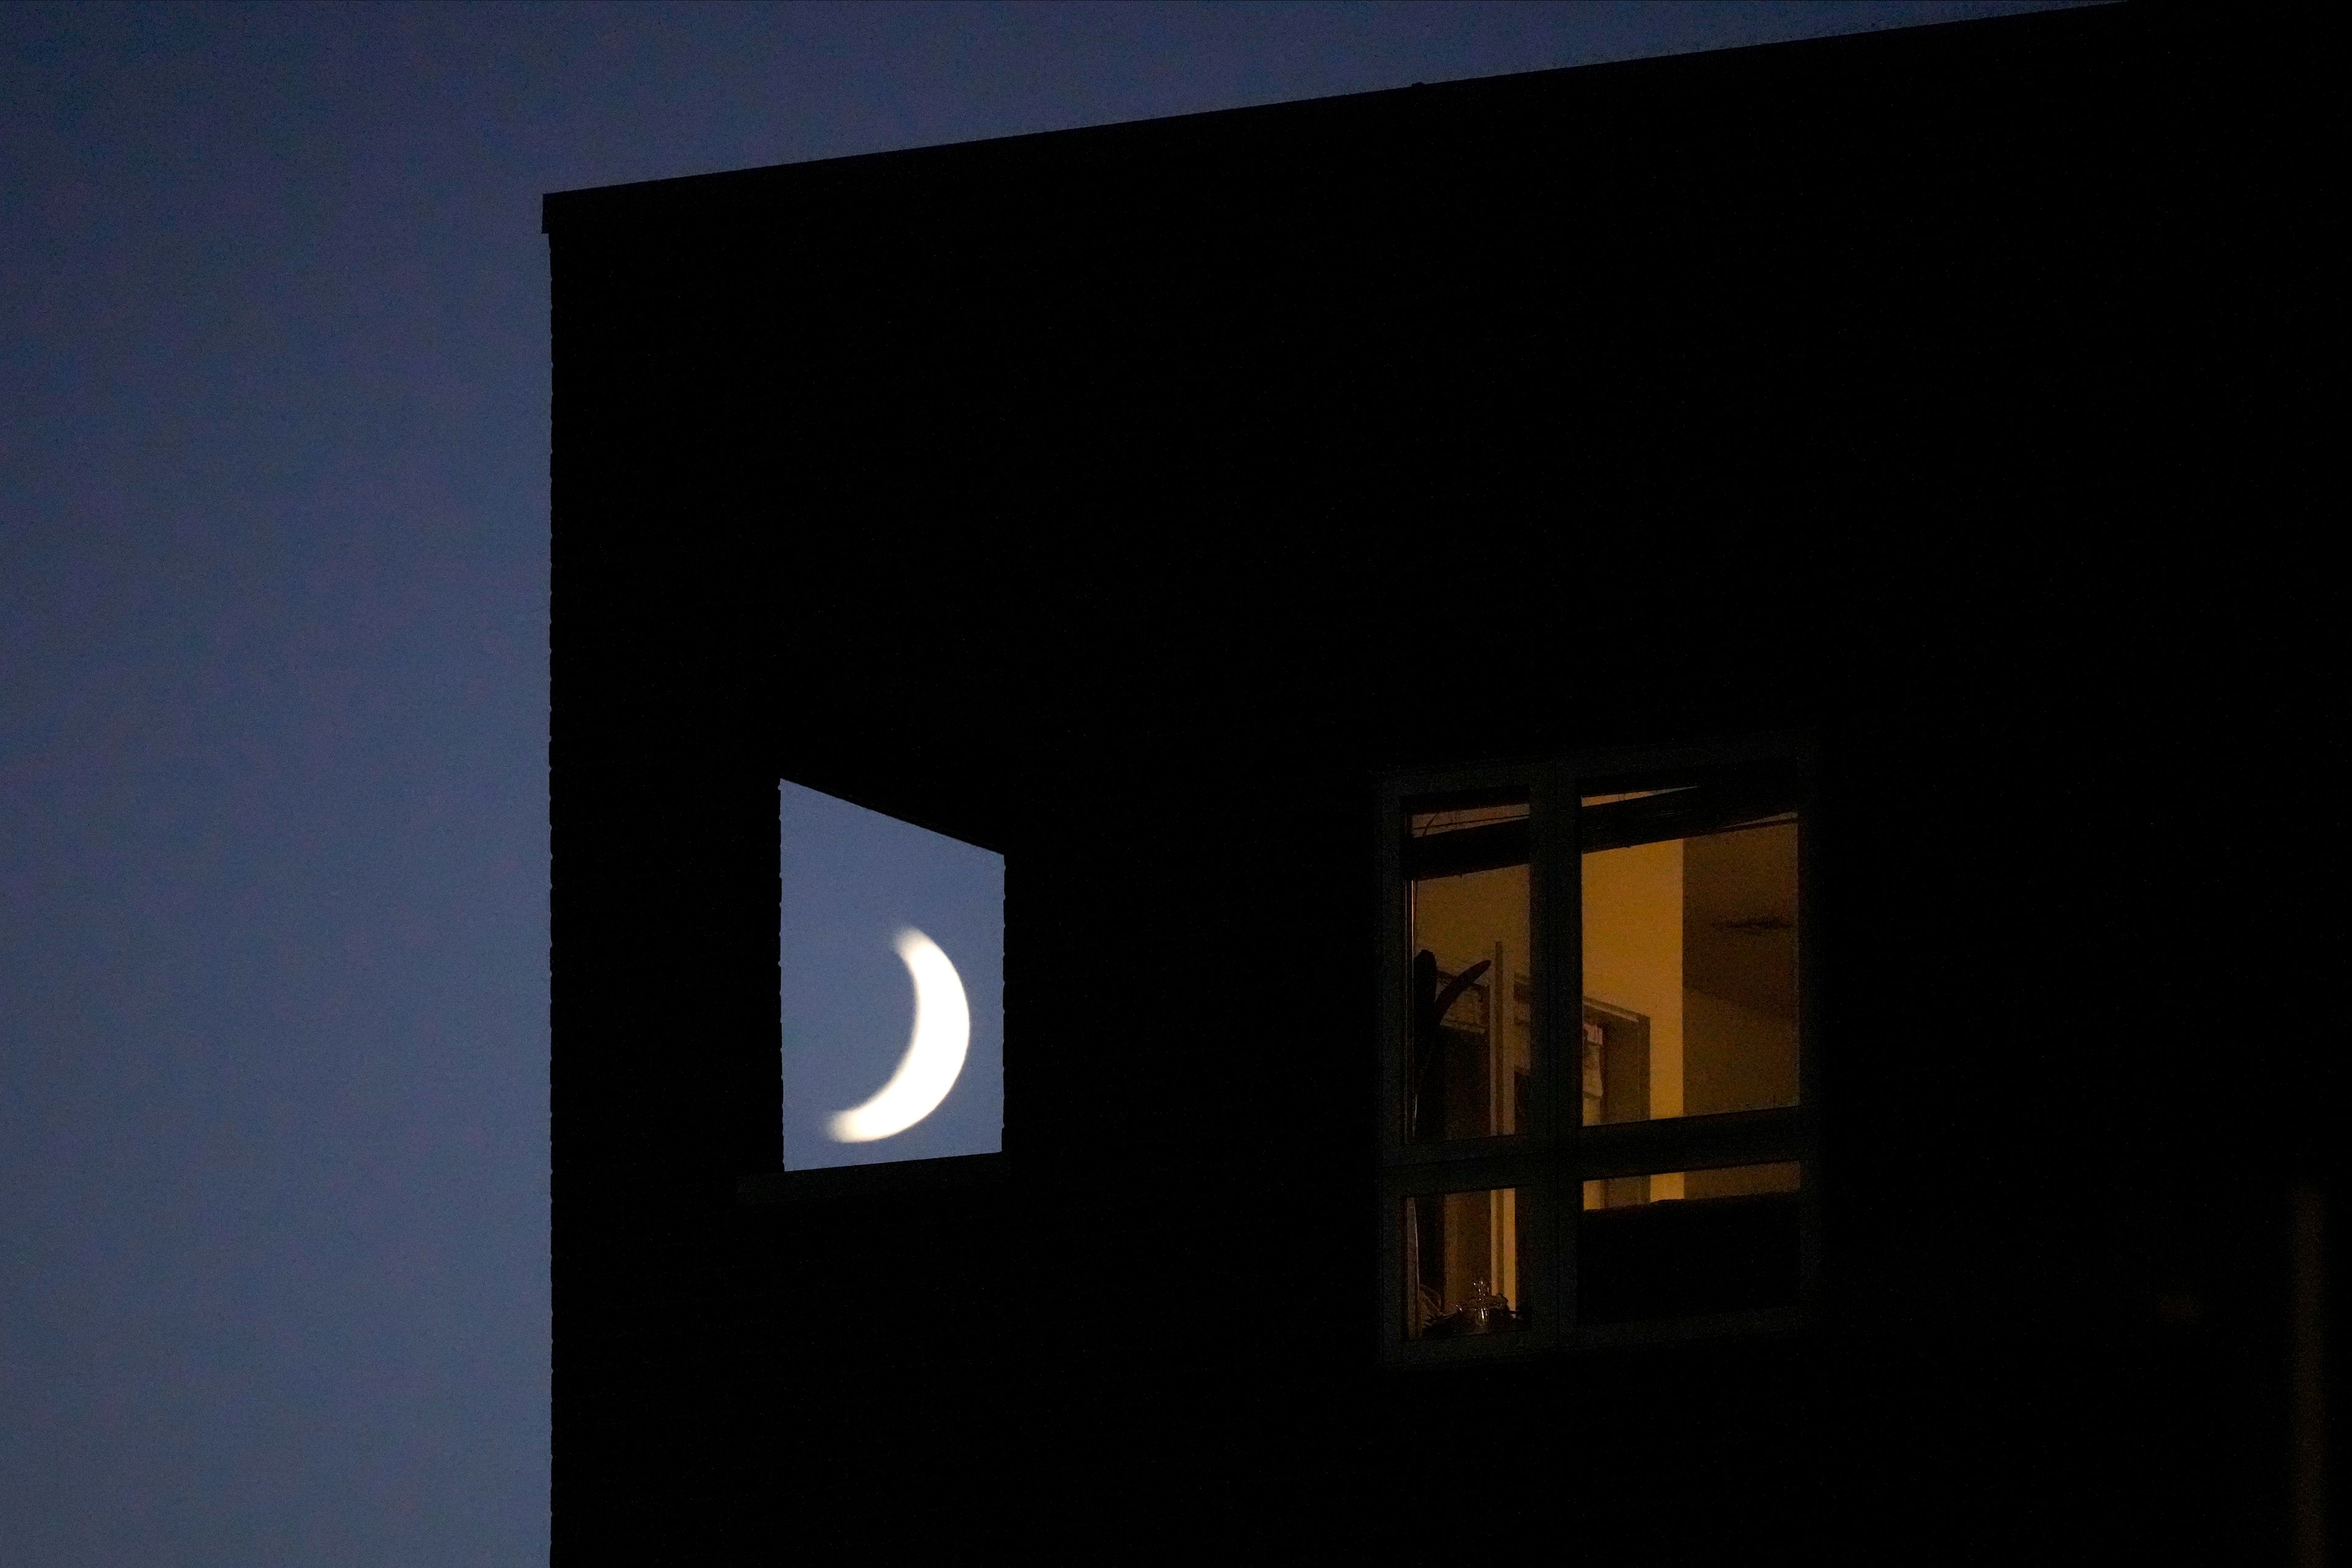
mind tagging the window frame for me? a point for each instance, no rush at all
(1548, 1162)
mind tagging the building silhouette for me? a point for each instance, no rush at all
(1243, 522)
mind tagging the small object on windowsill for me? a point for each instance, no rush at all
(1483, 1313)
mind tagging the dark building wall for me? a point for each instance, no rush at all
(1128, 500)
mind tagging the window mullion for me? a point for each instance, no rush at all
(1558, 1013)
(1695, 1142)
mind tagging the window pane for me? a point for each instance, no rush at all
(891, 961)
(1690, 954)
(1461, 1264)
(1680, 1243)
(1471, 1041)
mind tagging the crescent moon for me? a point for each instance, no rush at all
(935, 1050)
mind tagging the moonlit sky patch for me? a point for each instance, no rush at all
(853, 880)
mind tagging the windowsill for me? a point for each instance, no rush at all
(1768, 1323)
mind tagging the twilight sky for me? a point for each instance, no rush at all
(273, 588)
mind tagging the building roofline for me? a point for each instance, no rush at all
(736, 193)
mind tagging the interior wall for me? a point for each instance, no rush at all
(1743, 1181)
(1633, 960)
(1460, 919)
(1736, 1058)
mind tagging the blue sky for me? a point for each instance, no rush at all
(273, 682)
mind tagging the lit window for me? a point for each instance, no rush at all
(1594, 1120)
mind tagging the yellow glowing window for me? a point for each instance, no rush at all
(1595, 1117)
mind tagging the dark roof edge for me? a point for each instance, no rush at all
(680, 195)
